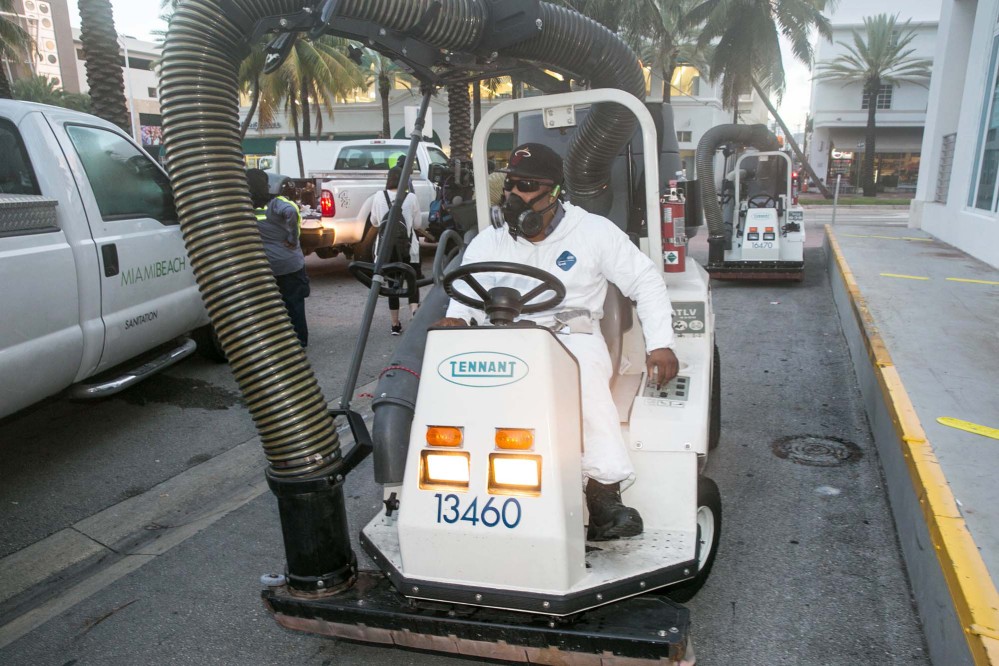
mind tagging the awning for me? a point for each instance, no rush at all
(260, 145)
(499, 142)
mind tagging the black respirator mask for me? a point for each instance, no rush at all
(520, 217)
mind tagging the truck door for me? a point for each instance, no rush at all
(41, 339)
(148, 293)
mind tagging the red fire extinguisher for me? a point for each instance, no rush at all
(674, 233)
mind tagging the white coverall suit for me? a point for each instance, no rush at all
(584, 251)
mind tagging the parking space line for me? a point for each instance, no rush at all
(904, 277)
(968, 426)
(970, 281)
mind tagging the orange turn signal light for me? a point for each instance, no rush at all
(444, 436)
(769, 230)
(516, 439)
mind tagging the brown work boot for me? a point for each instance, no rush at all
(609, 517)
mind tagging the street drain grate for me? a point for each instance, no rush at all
(817, 451)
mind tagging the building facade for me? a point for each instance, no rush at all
(47, 22)
(958, 195)
(839, 112)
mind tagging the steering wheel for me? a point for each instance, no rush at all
(764, 199)
(504, 304)
(400, 278)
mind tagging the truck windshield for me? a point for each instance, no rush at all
(371, 158)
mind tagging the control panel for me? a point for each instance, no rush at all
(677, 389)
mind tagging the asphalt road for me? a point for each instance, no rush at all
(808, 572)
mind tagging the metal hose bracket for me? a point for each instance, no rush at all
(200, 100)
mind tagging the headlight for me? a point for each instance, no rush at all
(514, 474)
(444, 469)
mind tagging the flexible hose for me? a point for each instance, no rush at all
(574, 43)
(199, 99)
(567, 41)
(757, 136)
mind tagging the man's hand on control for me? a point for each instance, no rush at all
(662, 364)
(451, 321)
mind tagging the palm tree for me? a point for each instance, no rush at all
(878, 57)
(250, 71)
(43, 90)
(382, 72)
(672, 41)
(104, 71)
(747, 54)
(315, 72)
(15, 42)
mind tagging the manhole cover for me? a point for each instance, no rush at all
(817, 451)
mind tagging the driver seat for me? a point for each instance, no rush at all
(617, 321)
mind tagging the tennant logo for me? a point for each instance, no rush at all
(483, 369)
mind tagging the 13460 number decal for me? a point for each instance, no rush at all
(449, 510)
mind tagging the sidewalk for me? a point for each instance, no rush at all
(922, 322)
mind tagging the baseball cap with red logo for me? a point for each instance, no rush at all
(535, 160)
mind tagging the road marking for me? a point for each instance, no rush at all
(907, 238)
(972, 281)
(904, 277)
(139, 529)
(968, 426)
(31, 565)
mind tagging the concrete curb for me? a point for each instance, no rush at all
(956, 598)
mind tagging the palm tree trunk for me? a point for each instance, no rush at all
(306, 115)
(668, 83)
(104, 72)
(476, 104)
(298, 138)
(383, 92)
(254, 99)
(790, 139)
(870, 189)
(459, 122)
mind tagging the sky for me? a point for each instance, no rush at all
(138, 18)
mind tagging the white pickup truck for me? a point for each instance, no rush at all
(98, 291)
(334, 198)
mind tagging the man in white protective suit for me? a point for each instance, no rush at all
(584, 251)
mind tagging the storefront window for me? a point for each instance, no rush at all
(983, 189)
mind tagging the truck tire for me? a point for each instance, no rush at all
(364, 249)
(208, 343)
(709, 522)
(714, 415)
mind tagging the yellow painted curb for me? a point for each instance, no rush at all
(971, 588)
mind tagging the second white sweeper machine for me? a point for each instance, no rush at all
(481, 548)
(756, 226)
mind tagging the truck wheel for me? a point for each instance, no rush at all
(709, 522)
(208, 343)
(364, 250)
(714, 415)
(326, 252)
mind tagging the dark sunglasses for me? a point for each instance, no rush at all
(526, 186)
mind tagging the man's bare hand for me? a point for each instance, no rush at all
(662, 363)
(451, 321)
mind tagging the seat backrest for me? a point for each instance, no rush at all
(617, 321)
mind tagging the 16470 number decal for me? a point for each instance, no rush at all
(490, 514)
